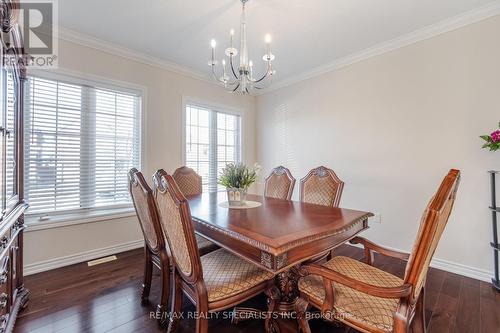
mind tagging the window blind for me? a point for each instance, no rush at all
(80, 143)
(10, 153)
(213, 139)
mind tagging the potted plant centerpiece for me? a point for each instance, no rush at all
(492, 140)
(237, 178)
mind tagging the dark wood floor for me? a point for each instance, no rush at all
(105, 298)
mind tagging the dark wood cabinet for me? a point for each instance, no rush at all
(13, 295)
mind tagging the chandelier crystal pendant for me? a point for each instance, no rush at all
(241, 79)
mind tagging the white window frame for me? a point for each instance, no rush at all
(38, 221)
(188, 100)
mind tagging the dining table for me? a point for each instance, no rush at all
(276, 235)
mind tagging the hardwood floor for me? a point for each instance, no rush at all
(105, 298)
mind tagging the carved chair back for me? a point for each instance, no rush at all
(189, 182)
(321, 186)
(145, 207)
(177, 226)
(432, 225)
(279, 184)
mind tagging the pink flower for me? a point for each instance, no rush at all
(495, 136)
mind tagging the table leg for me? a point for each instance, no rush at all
(287, 283)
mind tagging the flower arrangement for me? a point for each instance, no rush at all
(492, 140)
(237, 178)
(238, 175)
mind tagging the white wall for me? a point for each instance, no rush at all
(162, 146)
(391, 127)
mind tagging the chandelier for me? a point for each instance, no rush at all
(241, 79)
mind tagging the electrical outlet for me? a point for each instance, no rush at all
(376, 218)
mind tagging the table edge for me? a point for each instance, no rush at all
(287, 246)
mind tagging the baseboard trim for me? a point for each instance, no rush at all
(471, 272)
(77, 258)
(47, 265)
(452, 267)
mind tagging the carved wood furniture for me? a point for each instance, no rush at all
(188, 180)
(369, 299)
(155, 252)
(321, 186)
(213, 282)
(190, 183)
(13, 295)
(279, 184)
(276, 236)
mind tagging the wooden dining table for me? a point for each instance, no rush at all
(276, 236)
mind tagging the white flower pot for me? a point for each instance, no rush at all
(236, 196)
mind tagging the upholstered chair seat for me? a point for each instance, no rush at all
(368, 299)
(204, 245)
(190, 183)
(365, 309)
(227, 275)
(214, 282)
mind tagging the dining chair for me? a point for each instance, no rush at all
(190, 183)
(321, 186)
(279, 184)
(154, 250)
(213, 282)
(369, 299)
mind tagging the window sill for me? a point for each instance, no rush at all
(64, 220)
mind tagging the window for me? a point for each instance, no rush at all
(80, 142)
(212, 139)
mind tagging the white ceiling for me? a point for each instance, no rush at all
(306, 33)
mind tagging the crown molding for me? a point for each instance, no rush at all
(447, 25)
(110, 48)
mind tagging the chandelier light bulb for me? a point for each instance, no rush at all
(238, 77)
(231, 36)
(250, 69)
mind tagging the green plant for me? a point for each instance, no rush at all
(238, 175)
(492, 140)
